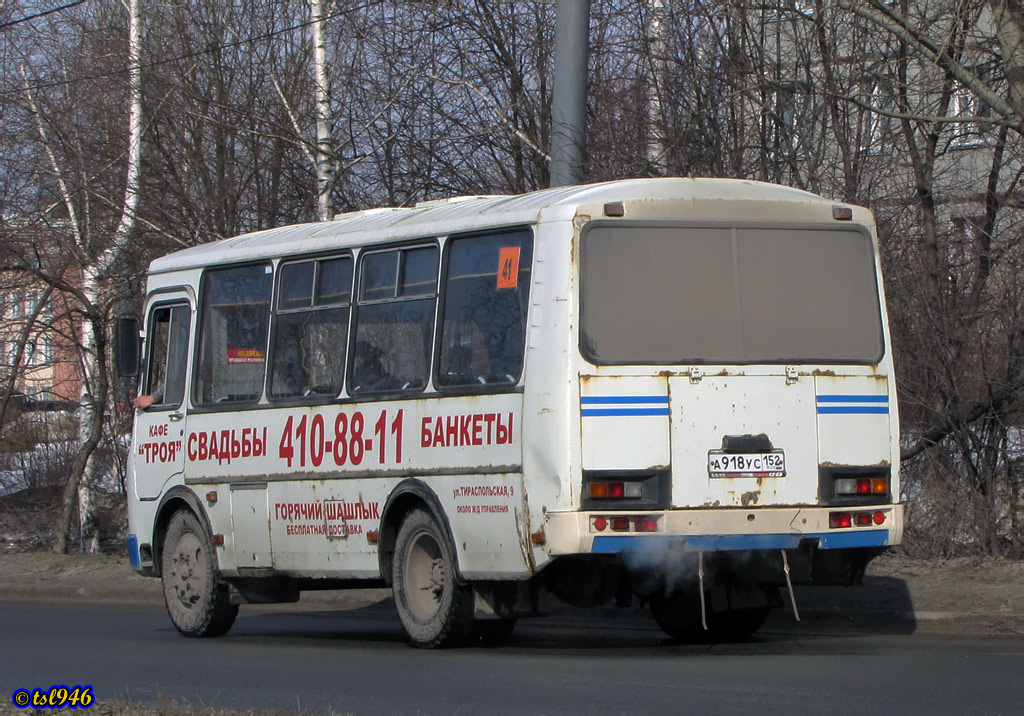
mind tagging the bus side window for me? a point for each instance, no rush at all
(235, 314)
(168, 355)
(483, 320)
(394, 324)
(312, 328)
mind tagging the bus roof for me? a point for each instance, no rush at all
(439, 217)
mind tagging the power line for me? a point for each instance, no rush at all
(20, 20)
(197, 53)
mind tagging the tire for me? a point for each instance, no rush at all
(197, 599)
(435, 608)
(737, 624)
(493, 632)
(678, 615)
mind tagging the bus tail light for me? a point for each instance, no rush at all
(620, 524)
(615, 490)
(861, 486)
(839, 520)
(646, 524)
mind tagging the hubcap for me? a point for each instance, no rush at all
(188, 572)
(425, 576)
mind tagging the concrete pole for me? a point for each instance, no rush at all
(569, 100)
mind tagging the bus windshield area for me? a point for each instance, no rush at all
(664, 294)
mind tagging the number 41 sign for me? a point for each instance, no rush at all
(508, 267)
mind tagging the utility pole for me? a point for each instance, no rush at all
(569, 100)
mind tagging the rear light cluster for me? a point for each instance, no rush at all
(858, 486)
(615, 490)
(840, 520)
(618, 523)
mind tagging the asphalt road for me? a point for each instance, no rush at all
(356, 661)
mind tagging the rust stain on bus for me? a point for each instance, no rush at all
(523, 528)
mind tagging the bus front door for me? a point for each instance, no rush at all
(160, 427)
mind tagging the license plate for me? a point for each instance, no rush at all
(747, 464)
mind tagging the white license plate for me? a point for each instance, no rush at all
(747, 464)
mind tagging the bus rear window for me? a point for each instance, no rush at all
(678, 295)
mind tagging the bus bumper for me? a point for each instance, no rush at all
(720, 530)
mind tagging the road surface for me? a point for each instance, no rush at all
(356, 661)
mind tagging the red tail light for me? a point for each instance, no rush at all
(848, 486)
(839, 519)
(615, 490)
(646, 524)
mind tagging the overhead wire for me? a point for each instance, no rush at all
(42, 13)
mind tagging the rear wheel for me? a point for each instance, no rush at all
(436, 610)
(738, 624)
(197, 599)
(679, 616)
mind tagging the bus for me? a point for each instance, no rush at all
(670, 392)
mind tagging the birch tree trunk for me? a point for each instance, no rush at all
(100, 290)
(656, 148)
(325, 162)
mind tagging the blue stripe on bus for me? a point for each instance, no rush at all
(612, 544)
(853, 409)
(602, 412)
(620, 399)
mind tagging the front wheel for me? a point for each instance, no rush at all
(197, 599)
(436, 610)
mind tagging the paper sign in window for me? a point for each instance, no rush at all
(245, 355)
(508, 267)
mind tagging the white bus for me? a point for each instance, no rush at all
(677, 392)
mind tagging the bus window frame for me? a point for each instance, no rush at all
(428, 388)
(235, 405)
(484, 388)
(316, 399)
(166, 298)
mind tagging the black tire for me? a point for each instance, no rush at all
(197, 599)
(737, 624)
(493, 632)
(435, 608)
(678, 615)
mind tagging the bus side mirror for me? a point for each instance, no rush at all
(127, 346)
